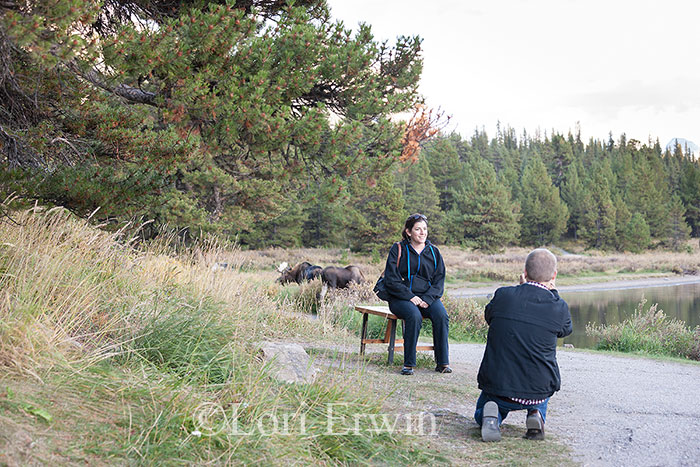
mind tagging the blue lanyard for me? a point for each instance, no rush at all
(410, 278)
(408, 263)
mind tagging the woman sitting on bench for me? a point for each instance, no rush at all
(415, 277)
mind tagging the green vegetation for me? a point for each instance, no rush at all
(271, 124)
(649, 331)
(466, 319)
(256, 120)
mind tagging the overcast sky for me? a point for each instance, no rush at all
(611, 65)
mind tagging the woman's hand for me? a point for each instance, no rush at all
(417, 301)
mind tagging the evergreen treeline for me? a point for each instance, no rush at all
(269, 122)
(532, 191)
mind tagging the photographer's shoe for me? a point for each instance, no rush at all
(534, 424)
(490, 431)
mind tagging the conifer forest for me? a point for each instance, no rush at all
(272, 124)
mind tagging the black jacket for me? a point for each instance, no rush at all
(427, 274)
(520, 357)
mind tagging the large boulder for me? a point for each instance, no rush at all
(289, 362)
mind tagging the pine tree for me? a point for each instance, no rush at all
(199, 114)
(574, 194)
(689, 191)
(673, 163)
(374, 215)
(483, 215)
(446, 169)
(421, 196)
(324, 216)
(563, 156)
(598, 219)
(648, 192)
(282, 230)
(677, 229)
(634, 236)
(544, 215)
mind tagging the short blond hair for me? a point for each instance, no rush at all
(540, 265)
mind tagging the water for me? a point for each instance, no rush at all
(612, 306)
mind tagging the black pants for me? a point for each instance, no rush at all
(411, 314)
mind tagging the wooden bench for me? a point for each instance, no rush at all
(389, 334)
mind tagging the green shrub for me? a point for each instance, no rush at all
(649, 331)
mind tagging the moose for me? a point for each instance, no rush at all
(340, 278)
(332, 276)
(303, 271)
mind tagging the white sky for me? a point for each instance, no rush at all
(611, 65)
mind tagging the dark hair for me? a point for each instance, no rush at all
(410, 222)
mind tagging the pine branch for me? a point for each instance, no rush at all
(130, 93)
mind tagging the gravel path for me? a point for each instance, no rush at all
(618, 410)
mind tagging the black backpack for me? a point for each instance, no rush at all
(380, 287)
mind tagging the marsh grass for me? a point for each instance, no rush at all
(470, 265)
(649, 331)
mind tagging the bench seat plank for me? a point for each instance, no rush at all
(389, 335)
(377, 310)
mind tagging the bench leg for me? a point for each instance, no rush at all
(392, 339)
(363, 333)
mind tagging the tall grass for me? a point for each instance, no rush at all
(466, 319)
(65, 288)
(649, 331)
(155, 332)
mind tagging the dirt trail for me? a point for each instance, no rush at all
(615, 410)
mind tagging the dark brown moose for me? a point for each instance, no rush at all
(334, 277)
(339, 278)
(304, 271)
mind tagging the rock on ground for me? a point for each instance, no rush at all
(290, 362)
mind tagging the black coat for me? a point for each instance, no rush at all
(428, 274)
(520, 357)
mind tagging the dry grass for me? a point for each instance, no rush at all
(71, 292)
(55, 302)
(469, 266)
